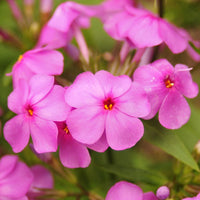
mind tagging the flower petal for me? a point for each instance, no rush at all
(174, 111)
(7, 164)
(18, 98)
(184, 83)
(87, 124)
(124, 190)
(72, 153)
(113, 85)
(134, 102)
(53, 106)
(144, 31)
(39, 86)
(42, 177)
(149, 196)
(17, 183)
(44, 135)
(122, 131)
(172, 37)
(88, 90)
(44, 61)
(101, 145)
(17, 132)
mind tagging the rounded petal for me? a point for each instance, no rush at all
(7, 164)
(144, 31)
(122, 131)
(53, 106)
(149, 196)
(163, 66)
(72, 153)
(52, 38)
(17, 183)
(174, 111)
(18, 98)
(124, 190)
(42, 177)
(172, 37)
(44, 135)
(21, 71)
(134, 102)
(17, 132)
(88, 90)
(113, 86)
(39, 86)
(44, 61)
(87, 124)
(184, 83)
(101, 145)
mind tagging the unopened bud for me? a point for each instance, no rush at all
(197, 147)
(162, 192)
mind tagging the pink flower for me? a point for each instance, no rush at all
(125, 190)
(15, 178)
(141, 29)
(193, 198)
(166, 87)
(42, 179)
(66, 22)
(72, 153)
(37, 61)
(105, 104)
(37, 104)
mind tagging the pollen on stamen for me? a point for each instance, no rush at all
(66, 130)
(20, 58)
(108, 104)
(169, 84)
(30, 112)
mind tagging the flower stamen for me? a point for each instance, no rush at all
(30, 112)
(20, 58)
(108, 104)
(66, 130)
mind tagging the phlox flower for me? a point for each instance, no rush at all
(166, 87)
(141, 28)
(72, 153)
(42, 179)
(15, 178)
(37, 61)
(106, 107)
(66, 22)
(37, 103)
(192, 198)
(124, 190)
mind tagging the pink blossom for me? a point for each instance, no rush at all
(72, 153)
(37, 104)
(141, 29)
(37, 61)
(106, 104)
(66, 22)
(124, 190)
(166, 87)
(15, 178)
(193, 198)
(42, 179)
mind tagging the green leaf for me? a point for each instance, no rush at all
(136, 174)
(170, 142)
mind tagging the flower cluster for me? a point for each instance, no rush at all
(98, 110)
(19, 182)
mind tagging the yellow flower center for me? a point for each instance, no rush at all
(108, 104)
(66, 130)
(169, 83)
(30, 112)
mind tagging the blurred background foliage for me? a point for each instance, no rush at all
(154, 160)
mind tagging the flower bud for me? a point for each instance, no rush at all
(162, 192)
